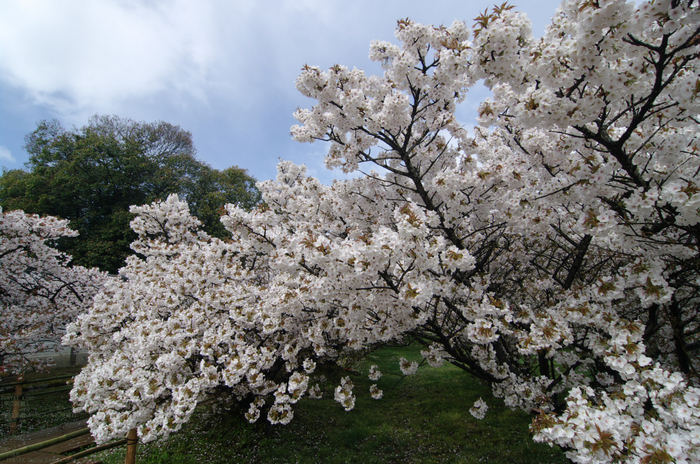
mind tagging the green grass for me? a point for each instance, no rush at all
(422, 418)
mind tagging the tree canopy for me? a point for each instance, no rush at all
(552, 253)
(91, 175)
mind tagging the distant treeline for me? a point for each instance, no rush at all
(92, 174)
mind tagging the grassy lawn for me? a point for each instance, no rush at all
(422, 418)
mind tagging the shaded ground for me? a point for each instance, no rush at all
(43, 405)
(421, 419)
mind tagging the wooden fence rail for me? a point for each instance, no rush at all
(21, 394)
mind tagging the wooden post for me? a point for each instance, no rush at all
(16, 405)
(131, 440)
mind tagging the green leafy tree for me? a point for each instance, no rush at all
(91, 175)
(217, 188)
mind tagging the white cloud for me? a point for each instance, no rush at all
(87, 56)
(95, 53)
(80, 57)
(223, 69)
(5, 155)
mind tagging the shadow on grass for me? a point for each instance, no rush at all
(422, 418)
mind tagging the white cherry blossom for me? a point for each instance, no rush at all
(552, 253)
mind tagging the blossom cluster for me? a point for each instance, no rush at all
(479, 409)
(40, 293)
(186, 320)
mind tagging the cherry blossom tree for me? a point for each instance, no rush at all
(552, 253)
(191, 318)
(606, 102)
(39, 292)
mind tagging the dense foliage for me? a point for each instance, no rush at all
(91, 175)
(554, 253)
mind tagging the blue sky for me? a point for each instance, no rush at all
(223, 70)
